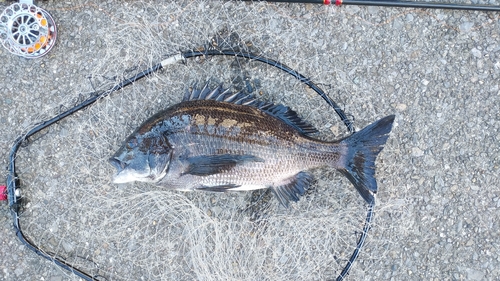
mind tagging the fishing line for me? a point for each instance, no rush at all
(14, 195)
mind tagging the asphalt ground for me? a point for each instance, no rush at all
(437, 216)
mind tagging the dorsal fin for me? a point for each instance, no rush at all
(282, 112)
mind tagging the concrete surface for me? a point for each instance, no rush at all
(437, 70)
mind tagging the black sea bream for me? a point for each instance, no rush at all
(218, 141)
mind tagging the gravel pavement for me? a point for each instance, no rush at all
(437, 70)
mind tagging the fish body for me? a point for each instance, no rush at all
(215, 140)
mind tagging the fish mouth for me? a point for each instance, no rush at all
(119, 165)
(121, 173)
(124, 173)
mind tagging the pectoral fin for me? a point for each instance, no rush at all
(218, 188)
(213, 164)
(293, 188)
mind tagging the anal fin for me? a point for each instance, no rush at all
(293, 189)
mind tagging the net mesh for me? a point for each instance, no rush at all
(142, 232)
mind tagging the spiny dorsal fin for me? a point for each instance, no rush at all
(282, 112)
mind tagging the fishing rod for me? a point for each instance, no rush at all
(395, 3)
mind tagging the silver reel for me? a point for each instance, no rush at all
(27, 30)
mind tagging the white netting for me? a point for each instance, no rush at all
(142, 232)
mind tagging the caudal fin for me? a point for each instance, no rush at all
(363, 148)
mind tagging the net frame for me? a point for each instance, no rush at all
(13, 181)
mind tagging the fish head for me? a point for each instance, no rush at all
(142, 158)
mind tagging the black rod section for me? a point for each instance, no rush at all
(423, 5)
(395, 3)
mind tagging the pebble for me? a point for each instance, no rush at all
(401, 106)
(476, 53)
(474, 275)
(417, 152)
(466, 26)
(18, 271)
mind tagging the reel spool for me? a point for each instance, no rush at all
(27, 30)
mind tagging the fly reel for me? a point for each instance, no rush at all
(27, 30)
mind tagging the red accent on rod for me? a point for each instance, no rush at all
(327, 2)
(3, 193)
(338, 2)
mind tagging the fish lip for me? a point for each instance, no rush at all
(119, 165)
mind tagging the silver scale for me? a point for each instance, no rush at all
(27, 30)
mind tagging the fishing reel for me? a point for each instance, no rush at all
(27, 30)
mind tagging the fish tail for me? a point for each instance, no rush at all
(362, 150)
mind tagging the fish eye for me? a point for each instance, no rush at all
(131, 143)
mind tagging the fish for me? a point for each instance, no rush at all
(219, 141)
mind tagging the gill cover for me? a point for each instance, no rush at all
(142, 158)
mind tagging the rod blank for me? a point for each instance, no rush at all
(424, 5)
(396, 3)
